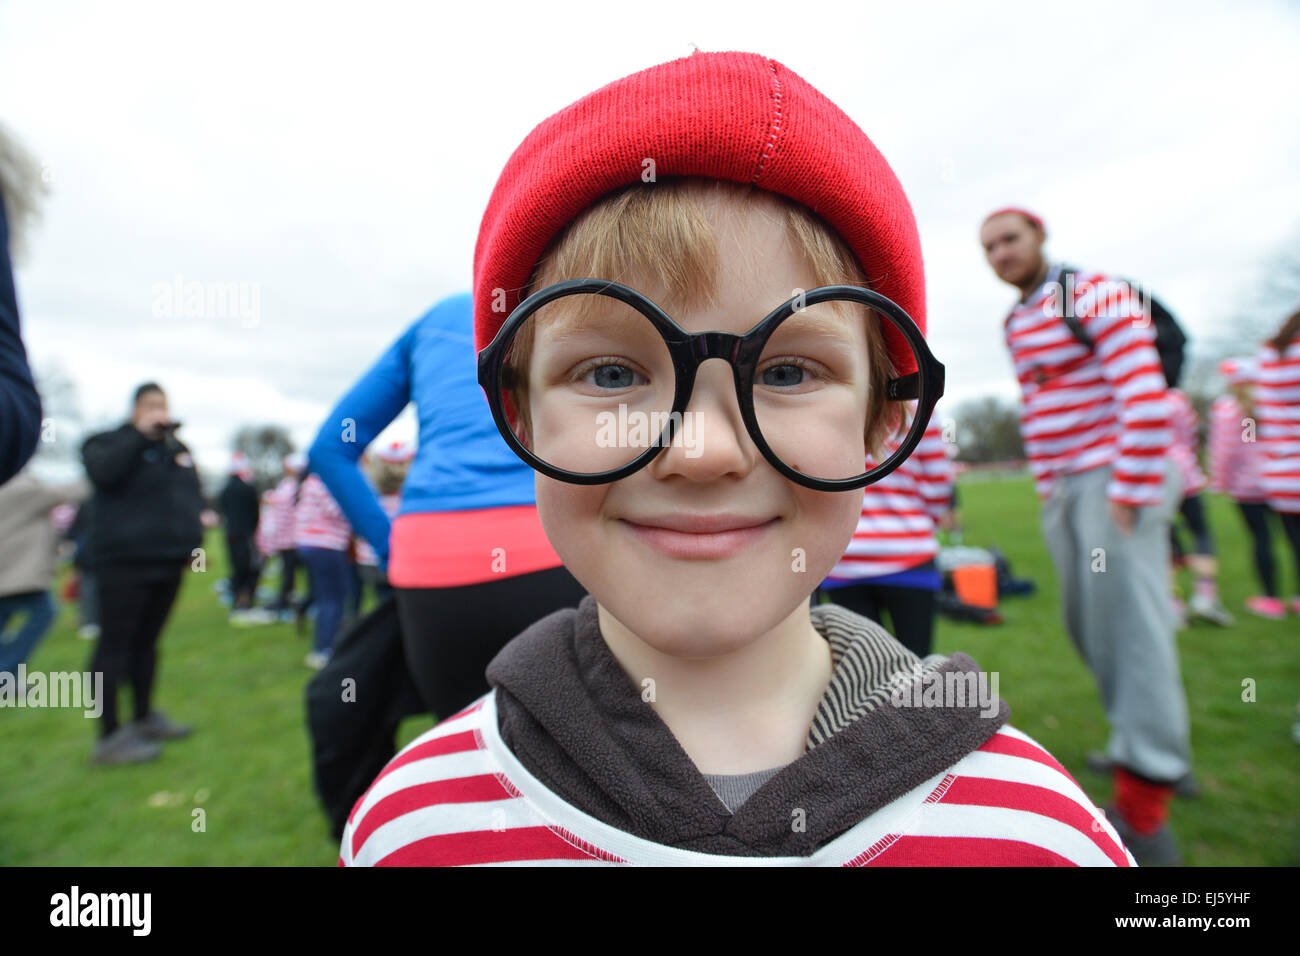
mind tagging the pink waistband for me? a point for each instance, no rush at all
(453, 548)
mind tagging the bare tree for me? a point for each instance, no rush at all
(23, 187)
(1265, 303)
(265, 446)
(62, 424)
(988, 429)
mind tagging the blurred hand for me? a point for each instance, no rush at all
(1124, 516)
(150, 423)
(209, 518)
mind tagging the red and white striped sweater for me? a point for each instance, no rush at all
(1183, 451)
(1236, 455)
(318, 520)
(457, 796)
(1091, 408)
(899, 514)
(275, 527)
(1277, 405)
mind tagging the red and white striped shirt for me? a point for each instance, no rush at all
(318, 520)
(265, 524)
(1091, 408)
(899, 513)
(457, 796)
(1236, 455)
(276, 525)
(1277, 406)
(1183, 451)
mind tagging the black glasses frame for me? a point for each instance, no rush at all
(689, 350)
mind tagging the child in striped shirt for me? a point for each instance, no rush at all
(1277, 404)
(1204, 603)
(1236, 460)
(694, 710)
(890, 563)
(324, 538)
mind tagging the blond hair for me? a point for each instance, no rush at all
(661, 231)
(388, 476)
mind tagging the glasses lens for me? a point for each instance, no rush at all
(588, 384)
(818, 383)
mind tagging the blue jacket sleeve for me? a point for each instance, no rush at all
(374, 401)
(20, 405)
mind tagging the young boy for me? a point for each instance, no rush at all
(694, 709)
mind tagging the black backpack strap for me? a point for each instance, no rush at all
(1064, 278)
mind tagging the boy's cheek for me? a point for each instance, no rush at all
(566, 512)
(829, 520)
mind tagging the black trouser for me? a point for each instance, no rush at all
(1193, 511)
(134, 601)
(288, 571)
(450, 635)
(911, 611)
(244, 571)
(1255, 514)
(1291, 525)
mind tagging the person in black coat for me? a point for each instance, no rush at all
(20, 405)
(240, 506)
(144, 529)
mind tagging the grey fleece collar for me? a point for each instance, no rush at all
(577, 722)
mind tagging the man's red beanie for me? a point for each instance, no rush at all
(730, 116)
(1034, 218)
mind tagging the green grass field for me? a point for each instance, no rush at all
(247, 766)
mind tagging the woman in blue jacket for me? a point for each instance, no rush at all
(466, 554)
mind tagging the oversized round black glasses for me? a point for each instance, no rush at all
(589, 380)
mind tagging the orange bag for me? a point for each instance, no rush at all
(976, 585)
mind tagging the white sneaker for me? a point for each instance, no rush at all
(251, 617)
(1208, 609)
(88, 632)
(316, 660)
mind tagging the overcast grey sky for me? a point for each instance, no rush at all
(335, 160)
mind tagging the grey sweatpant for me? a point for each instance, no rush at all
(1116, 602)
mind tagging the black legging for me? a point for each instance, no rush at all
(911, 611)
(1193, 512)
(1291, 525)
(134, 602)
(1255, 514)
(244, 570)
(288, 573)
(451, 634)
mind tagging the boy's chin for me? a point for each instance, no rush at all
(695, 630)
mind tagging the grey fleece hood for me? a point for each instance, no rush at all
(578, 723)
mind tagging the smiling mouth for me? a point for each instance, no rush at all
(701, 538)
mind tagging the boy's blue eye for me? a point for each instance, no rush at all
(614, 376)
(782, 376)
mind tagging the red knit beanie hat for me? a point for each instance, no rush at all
(1033, 217)
(730, 116)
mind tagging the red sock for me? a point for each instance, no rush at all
(1143, 805)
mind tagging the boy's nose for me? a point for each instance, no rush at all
(712, 441)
